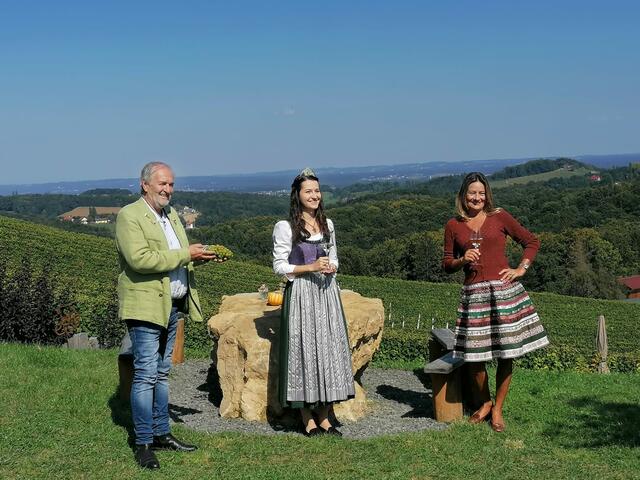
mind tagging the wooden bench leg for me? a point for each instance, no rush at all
(125, 372)
(447, 396)
(178, 346)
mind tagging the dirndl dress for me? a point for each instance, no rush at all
(496, 320)
(315, 356)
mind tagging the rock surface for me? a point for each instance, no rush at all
(245, 354)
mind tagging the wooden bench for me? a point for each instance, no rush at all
(446, 377)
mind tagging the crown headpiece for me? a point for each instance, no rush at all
(307, 172)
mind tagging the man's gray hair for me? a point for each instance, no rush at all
(148, 170)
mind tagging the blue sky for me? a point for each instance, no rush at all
(92, 90)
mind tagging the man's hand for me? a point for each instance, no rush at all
(198, 253)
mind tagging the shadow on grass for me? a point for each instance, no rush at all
(597, 424)
(420, 402)
(121, 415)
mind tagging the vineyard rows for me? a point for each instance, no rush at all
(88, 264)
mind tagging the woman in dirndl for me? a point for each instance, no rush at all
(496, 319)
(315, 357)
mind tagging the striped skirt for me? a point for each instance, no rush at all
(496, 320)
(315, 356)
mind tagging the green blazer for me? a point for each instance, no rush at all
(145, 262)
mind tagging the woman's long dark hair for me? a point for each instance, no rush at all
(298, 228)
(462, 209)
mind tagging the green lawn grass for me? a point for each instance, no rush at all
(61, 418)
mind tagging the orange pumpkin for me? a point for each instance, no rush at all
(274, 298)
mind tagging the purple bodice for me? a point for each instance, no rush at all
(305, 252)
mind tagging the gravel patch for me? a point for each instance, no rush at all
(399, 402)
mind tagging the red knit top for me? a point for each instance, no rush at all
(494, 231)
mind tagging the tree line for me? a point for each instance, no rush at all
(590, 235)
(590, 231)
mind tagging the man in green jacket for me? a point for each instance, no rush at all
(156, 284)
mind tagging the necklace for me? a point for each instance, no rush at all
(312, 226)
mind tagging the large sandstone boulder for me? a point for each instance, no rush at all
(246, 354)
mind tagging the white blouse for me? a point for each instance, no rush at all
(282, 245)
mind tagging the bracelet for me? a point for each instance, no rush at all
(525, 266)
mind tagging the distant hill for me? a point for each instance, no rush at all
(107, 191)
(330, 176)
(536, 167)
(560, 174)
(541, 177)
(610, 161)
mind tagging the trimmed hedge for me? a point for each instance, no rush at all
(89, 264)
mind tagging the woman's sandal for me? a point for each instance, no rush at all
(497, 427)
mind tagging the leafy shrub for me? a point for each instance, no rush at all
(196, 336)
(622, 362)
(554, 358)
(108, 327)
(32, 311)
(398, 345)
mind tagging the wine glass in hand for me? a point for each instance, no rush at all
(476, 241)
(325, 248)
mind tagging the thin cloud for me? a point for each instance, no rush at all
(287, 112)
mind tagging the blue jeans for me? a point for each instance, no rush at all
(152, 348)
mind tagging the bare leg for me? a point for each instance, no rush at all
(480, 384)
(503, 380)
(308, 421)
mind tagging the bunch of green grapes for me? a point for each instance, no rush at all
(221, 252)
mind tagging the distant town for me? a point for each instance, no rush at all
(106, 215)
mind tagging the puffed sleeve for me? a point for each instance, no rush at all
(449, 246)
(333, 251)
(282, 248)
(524, 237)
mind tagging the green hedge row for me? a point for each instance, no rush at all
(88, 265)
(401, 346)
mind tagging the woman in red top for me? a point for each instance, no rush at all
(496, 318)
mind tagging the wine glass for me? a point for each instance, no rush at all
(476, 241)
(324, 249)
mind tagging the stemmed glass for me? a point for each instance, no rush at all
(325, 247)
(476, 241)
